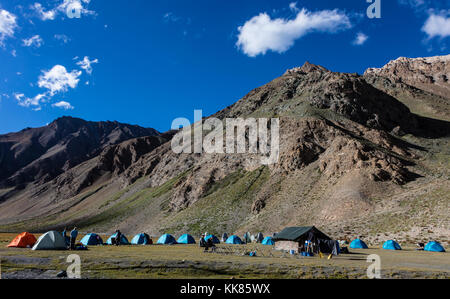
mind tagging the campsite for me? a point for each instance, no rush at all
(228, 261)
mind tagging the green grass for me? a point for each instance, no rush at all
(224, 207)
(189, 261)
(130, 205)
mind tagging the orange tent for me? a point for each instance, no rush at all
(23, 240)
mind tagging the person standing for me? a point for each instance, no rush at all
(118, 237)
(73, 238)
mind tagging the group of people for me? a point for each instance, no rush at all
(71, 239)
(206, 244)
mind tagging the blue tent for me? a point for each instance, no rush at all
(186, 239)
(391, 245)
(91, 239)
(358, 244)
(166, 239)
(141, 239)
(214, 239)
(434, 246)
(234, 240)
(268, 241)
(123, 240)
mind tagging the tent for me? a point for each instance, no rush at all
(434, 246)
(391, 245)
(358, 244)
(224, 237)
(214, 239)
(234, 240)
(259, 237)
(300, 238)
(166, 239)
(91, 239)
(51, 240)
(186, 239)
(123, 240)
(141, 239)
(24, 240)
(268, 241)
(247, 238)
(300, 234)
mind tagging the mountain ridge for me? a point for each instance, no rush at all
(350, 151)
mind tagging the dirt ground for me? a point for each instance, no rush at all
(229, 261)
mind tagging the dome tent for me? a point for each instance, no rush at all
(434, 246)
(24, 240)
(268, 241)
(391, 245)
(123, 239)
(358, 244)
(91, 239)
(166, 239)
(214, 239)
(141, 239)
(234, 240)
(51, 240)
(186, 239)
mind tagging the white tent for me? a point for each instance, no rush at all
(50, 241)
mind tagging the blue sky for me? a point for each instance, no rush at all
(149, 62)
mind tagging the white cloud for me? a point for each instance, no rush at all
(7, 25)
(86, 64)
(62, 37)
(293, 7)
(360, 39)
(63, 105)
(42, 14)
(35, 41)
(14, 53)
(64, 8)
(437, 25)
(58, 79)
(24, 101)
(261, 33)
(170, 17)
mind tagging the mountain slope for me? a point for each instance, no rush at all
(44, 153)
(354, 160)
(421, 83)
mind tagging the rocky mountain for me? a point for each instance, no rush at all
(355, 159)
(41, 154)
(431, 74)
(422, 82)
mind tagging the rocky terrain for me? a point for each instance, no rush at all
(422, 82)
(41, 154)
(359, 156)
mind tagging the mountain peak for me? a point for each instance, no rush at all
(306, 68)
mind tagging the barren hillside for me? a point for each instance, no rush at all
(354, 161)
